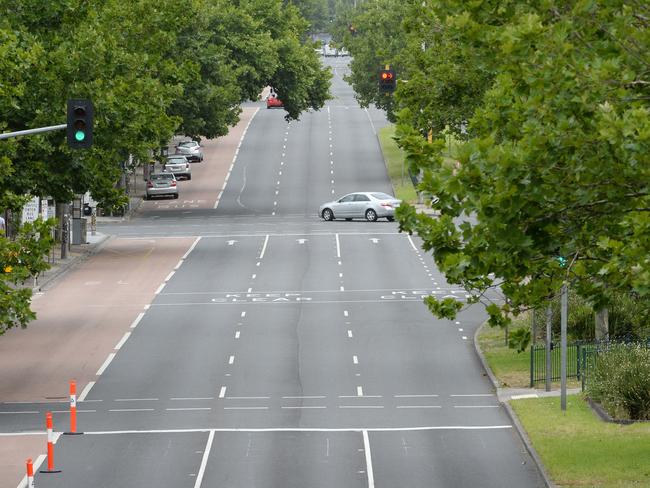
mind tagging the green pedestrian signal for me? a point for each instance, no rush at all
(80, 123)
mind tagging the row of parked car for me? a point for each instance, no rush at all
(175, 167)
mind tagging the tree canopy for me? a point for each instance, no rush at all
(153, 68)
(552, 182)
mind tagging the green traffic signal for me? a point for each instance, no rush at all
(80, 123)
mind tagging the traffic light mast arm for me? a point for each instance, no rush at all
(29, 132)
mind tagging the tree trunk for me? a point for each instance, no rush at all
(602, 324)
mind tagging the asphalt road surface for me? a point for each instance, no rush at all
(285, 351)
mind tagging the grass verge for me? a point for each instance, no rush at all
(576, 447)
(395, 163)
(579, 449)
(511, 368)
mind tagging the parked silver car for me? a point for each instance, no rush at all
(179, 165)
(191, 150)
(371, 206)
(161, 184)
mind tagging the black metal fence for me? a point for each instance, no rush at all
(581, 359)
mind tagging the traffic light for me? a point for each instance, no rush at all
(80, 123)
(387, 80)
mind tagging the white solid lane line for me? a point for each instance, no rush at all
(366, 448)
(131, 410)
(136, 399)
(266, 241)
(419, 406)
(184, 409)
(160, 288)
(169, 276)
(415, 396)
(192, 398)
(302, 397)
(204, 460)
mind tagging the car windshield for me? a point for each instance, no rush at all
(382, 196)
(166, 176)
(189, 143)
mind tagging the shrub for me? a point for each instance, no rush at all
(620, 381)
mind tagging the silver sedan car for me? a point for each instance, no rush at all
(161, 184)
(191, 150)
(369, 205)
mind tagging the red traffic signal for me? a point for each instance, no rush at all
(387, 80)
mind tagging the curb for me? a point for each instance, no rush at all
(512, 415)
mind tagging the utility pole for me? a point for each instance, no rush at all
(549, 338)
(563, 332)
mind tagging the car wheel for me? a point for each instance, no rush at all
(175, 196)
(371, 215)
(146, 197)
(348, 219)
(327, 214)
(189, 177)
(390, 219)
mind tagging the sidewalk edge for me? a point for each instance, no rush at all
(512, 415)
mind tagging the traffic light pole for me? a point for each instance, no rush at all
(29, 132)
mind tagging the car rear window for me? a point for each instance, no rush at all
(382, 196)
(167, 176)
(175, 160)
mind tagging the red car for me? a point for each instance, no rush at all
(273, 102)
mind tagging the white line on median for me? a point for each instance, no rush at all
(85, 391)
(196, 241)
(106, 363)
(36, 466)
(178, 264)
(359, 391)
(160, 288)
(338, 247)
(232, 164)
(231, 360)
(222, 393)
(137, 320)
(169, 276)
(122, 340)
(366, 448)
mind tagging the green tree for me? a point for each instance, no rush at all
(557, 161)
